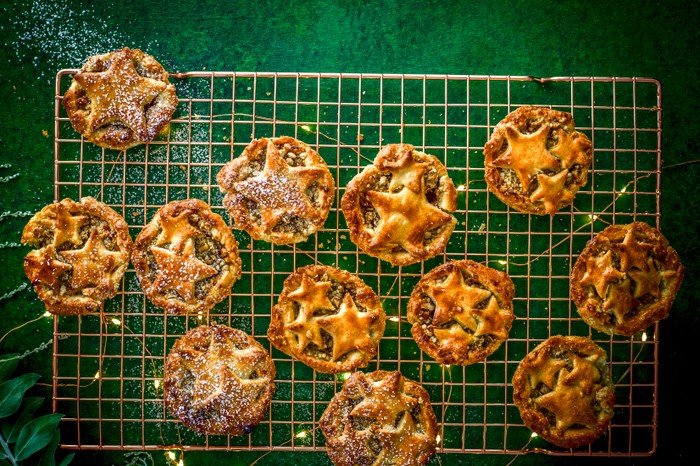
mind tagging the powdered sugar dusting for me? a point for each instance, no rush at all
(62, 34)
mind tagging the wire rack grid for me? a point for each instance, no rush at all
(107, 368)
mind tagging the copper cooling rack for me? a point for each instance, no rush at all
(107, 368)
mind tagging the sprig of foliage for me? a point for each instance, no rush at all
(25, 439)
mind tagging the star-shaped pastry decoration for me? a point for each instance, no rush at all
(311, 296)
(349, 328)
(406, 172)
(527, 154)
(119, 94)
(67, 226)
(405, 217)
(43, 266)
(491, 320)
(92, 264)
(648, 281)
(279, 190)
(454, 300)
(620, 299)
(600, 272)
(572, 397)
(569, 151)
(180, 271)
(385, 401)
(551, 191)
(401, 444)
(176, 231)
(545, 369)
(632, 252)
(453, 340)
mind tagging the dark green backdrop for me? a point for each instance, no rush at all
(537, 38)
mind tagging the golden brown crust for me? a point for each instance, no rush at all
(279, 190)
(121, 99)
(564, 391)
(186, 258)
(536, 161)
(82, 251)
(327, 318)
(461, 311)
(380, 418)
(218, 380)
(399, 209)
(626, 279)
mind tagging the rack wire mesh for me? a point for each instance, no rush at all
(107, 368)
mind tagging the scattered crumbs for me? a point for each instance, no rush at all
(45, 133)
(14, 88)
(248, 88)
(268, 93)
(183, 168)
(427, 367)
(345, 258)
(360, 137)
(343, 237)
(320, 245)
(204, 68)
(134, 214)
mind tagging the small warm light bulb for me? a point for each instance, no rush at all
(345, 375)
(97, 374)
(461, 187)
(116, 321)
(644, 336)
(394, 319)
(502, 262)
(533, 435)
(171, 455)
(156, 383)
(47, 314)
(438, 438)
(306, 128)
(301, 434)
(180, 463)
(593, 217)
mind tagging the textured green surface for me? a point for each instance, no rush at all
(518, 38)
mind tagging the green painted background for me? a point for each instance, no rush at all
(537, 38)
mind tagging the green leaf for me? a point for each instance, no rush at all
(8, 364)
(4, 462)
(49, 453)
(36, 435)
(31, 404)
(12, 392)
(67, 460)
(2, 455)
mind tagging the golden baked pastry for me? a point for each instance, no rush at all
(399, 209)
(564, 391)
(186, 258)
(121, 99)
(626, 279)
(218, 380)
(279, 190)
(461, 311)
(380, 418)
(82, 251)
(327, 318)
(536, 161)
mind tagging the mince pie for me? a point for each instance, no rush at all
(564, 391)
(461, 312)
(121, 99)
(82, 251)
(399, 209)
(327, 318)
(186, 258)
(279, 190)
(536, 161)
(218, 380)
(626, 279)
(380, 418)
